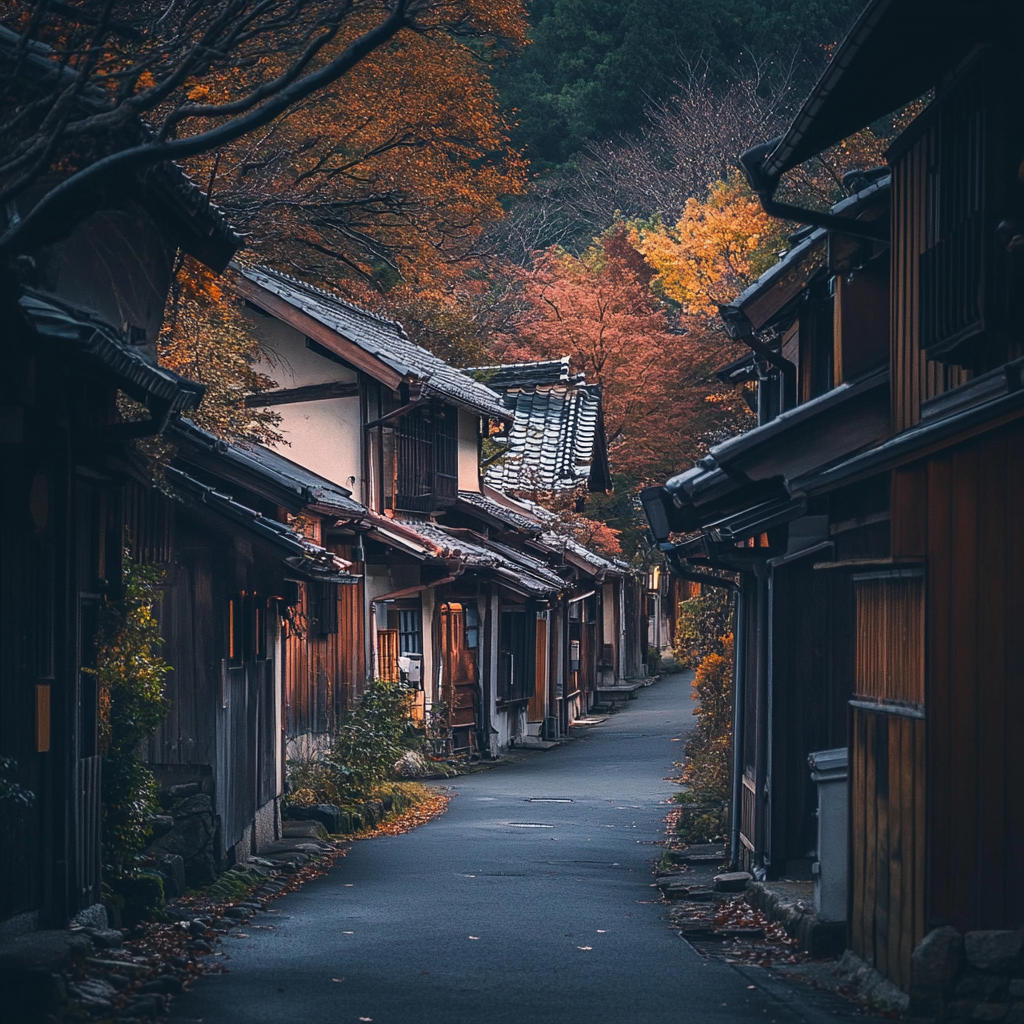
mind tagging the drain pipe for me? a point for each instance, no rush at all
(738, 700)
(761, 727)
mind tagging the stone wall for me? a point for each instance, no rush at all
(974, 977)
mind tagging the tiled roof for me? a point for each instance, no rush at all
(508, 565)
(384, 339)
(495, 510)
(512, 375)
(561, 542)
(136, 376)
(302, 555)
(307, 487)
(553, 441)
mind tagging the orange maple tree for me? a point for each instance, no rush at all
(389, 175)
(655, 374)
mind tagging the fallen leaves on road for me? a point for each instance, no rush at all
(428, 808)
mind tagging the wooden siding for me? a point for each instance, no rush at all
(810, 683)
(325, 672)
(887, 839)
(387, 656)
(190, 624)
(89, 813)
(535, 710)
(890, 636)
(975, 681)
(915, 378)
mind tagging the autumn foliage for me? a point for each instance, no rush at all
(720, 245)
(387, 176)
(206, 338)
(599, 310)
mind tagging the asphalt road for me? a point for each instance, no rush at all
(528, 901)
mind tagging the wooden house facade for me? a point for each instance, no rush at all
(465, 597)
(919, 546)
(79, 331)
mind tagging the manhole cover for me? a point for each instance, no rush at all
(548, 800)
(528, 824)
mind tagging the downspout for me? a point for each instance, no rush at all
(761, 726)
(739, 666)
(752, 162)
(739, 328)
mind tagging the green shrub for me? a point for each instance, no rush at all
(653, 661)
(130, 675)
(704, 640)
(363, 755)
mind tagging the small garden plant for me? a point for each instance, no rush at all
(362, 758)
(130, 674)
(704, 641)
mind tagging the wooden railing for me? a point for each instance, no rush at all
(952, 280)
(87, 785)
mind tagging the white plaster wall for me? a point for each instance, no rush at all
(469, 451)
(322, 436)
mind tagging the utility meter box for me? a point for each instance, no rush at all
(412, 666)
(829, 771)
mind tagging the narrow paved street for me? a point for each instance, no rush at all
(528, 901)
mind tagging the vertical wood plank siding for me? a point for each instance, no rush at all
(187, 735)
(915, 378)
(887, 840)
(975, 682)
(890, 639)
(810, 685)
(88, 775)
(324, 674)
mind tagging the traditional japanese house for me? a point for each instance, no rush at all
(821, 393)
(234, 577)
(929, 641)
(262, 619)
(80, 326)
(369, 410)
(555, 447)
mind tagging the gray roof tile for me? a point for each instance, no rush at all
(382, 338)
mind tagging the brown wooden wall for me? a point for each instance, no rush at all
(887, 845)
(914, 377)
(970, 527)
(191, 624)
(811, 681)
(324, 675)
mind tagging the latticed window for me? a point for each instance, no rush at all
(409, 639)
(427, 459)
(968, 277)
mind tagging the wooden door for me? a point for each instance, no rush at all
(535, 709)
(459, 674)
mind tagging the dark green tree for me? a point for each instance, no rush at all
(596, 64)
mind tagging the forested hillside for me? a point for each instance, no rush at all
(594, 65)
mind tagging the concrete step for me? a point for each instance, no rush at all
(617, 693)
